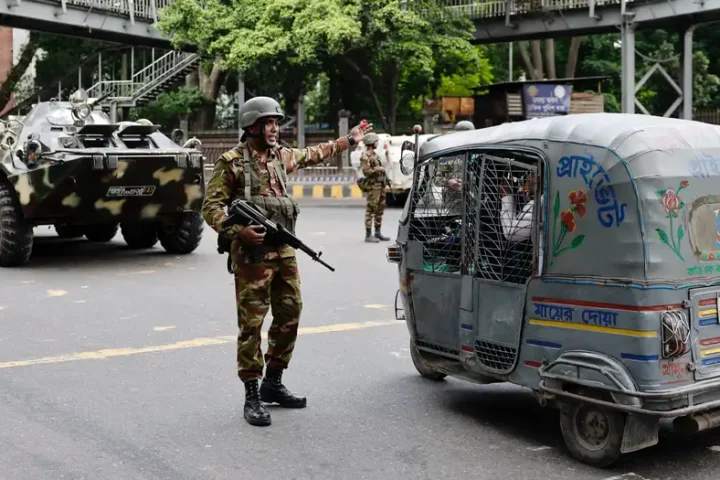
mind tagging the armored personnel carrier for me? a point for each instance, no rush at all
(66, 164)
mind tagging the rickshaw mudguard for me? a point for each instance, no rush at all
(641, 431)
(593, 370)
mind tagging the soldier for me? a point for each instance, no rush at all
(257, 169)
(464, 125)
(375, 187)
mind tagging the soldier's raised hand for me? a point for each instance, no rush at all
(360, 130)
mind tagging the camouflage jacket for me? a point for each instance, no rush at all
(227, 183)
(372, 169)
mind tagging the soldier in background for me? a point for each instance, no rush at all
(464, 125)
(375, 187)
(257, 170)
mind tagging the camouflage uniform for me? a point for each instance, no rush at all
(272, 283)
(375, 187)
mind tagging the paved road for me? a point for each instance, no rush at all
(120, 365)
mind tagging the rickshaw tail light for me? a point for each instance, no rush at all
(393, 253)
(675, 334)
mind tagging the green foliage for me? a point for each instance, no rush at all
(389, 53)
(169, 107)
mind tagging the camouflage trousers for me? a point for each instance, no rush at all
(268, 285)
(375, 207)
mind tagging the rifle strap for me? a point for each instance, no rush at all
(246, 171)
(279, 167)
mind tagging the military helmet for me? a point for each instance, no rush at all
(465, 125)
(257, 108)
(371, 139)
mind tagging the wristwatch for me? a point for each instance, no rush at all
(351, 140)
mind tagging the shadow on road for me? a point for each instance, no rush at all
(516, 413)
(50, 251)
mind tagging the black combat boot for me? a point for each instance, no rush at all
(255, 412)
(273, 391)
(379, 235)
(368, 236)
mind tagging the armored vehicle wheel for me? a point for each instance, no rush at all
(422, 367)
(68, 231)
(592, 433)
(16, 235)
(182, 234)
(139, 235)
(101, 233)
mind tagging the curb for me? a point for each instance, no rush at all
(316, 191)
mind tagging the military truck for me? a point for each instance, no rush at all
(66, 164)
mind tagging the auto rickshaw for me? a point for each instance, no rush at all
(577, 256)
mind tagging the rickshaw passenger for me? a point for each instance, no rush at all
(517, 228)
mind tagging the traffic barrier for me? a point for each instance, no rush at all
(317, 186)
(317, 191)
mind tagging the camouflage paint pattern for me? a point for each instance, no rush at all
(272, 284)
(375, 207)
(66, 185)
(227, 181)
(373, 170)
(269, 285)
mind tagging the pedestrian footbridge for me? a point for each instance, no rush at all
(122, 21)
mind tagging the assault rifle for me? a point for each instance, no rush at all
(242, 212)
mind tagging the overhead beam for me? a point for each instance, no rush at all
(70, 20)
(607, 19)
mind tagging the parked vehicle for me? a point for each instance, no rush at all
(604, 301)
(67, 165)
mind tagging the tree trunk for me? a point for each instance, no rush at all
(537, 58)
(393, 78)
(18, 70)
(573, 56)
(550, 58)
(527, 62)
(209, 84)
(371, 89)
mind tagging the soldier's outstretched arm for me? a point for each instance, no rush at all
(306, 157)
(218, 191)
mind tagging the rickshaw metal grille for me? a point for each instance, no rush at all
(437, 348)
(495, 356)
(437, 209)
(498, 243)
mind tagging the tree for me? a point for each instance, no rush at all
(18, 69)
(392, 54)
(171, 108)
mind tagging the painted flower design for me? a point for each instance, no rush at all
(578, 200)
(672, 203)
(567, 218)
(568, 224)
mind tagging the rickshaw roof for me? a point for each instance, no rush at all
(607, 130)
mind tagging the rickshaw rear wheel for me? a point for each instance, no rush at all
(421, 365)
(592, 433)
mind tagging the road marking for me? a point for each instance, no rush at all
(162, 329)
(374, 306)
(194, 343)
(538, 449)
(56, 293)
(3, 308)
(625, 476)
(80, 301)
(138, 272)
(27, 281)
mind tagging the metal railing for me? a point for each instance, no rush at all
(145, 81)
(477, 9)
(143, 10)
